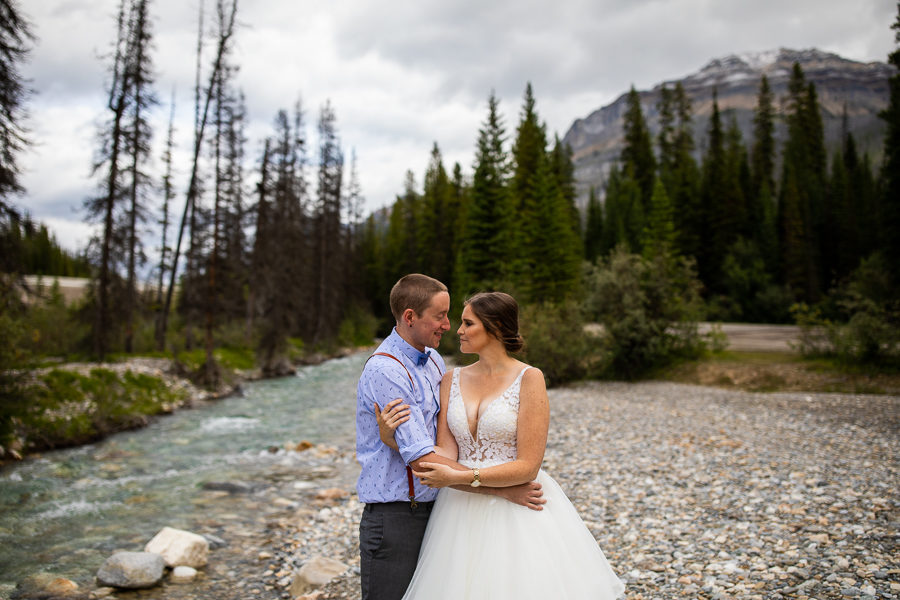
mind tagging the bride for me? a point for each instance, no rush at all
(493, 420)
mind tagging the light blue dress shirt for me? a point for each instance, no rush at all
(383, 477)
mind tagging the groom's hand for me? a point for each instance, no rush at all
(527, 494)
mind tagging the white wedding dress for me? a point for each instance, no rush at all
(484, 547)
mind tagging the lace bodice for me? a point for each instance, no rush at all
(495, 441)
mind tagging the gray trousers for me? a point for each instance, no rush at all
(390, 536)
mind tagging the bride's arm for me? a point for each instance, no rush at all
(531, 440)
(446, 451)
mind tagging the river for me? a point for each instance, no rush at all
(65, 511)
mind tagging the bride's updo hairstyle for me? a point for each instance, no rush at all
(499, 313)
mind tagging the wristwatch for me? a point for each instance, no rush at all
(475, 478)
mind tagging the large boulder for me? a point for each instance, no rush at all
(179, 548)
(316, 572)
(132, 570)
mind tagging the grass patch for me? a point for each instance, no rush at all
(781, 372)
(69, 408)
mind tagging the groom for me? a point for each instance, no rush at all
(397, 507)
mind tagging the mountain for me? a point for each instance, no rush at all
(596, 140)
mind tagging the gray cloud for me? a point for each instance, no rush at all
(404, 74)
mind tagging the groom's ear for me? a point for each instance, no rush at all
(407, 318)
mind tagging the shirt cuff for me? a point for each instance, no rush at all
(411, 453)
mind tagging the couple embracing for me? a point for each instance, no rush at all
(456, 504)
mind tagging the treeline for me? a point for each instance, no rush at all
(263, 261)
(278, 255)
(512, 226)
(767, 226)
(30, 248)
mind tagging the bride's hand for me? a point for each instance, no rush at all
(437, 475)
(389, 418)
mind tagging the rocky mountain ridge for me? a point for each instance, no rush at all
(596, 140)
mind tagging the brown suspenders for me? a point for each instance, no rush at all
(409, 475)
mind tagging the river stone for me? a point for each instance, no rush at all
(316, 572)
(179, 548)
(183, 574)
(46, 585)
(132, 570)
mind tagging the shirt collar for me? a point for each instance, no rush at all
(417, 358)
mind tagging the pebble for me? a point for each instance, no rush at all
(692, 493)
(696, 492)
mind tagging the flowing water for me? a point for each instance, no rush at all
(66, 511)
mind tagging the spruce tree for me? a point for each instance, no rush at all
(760, 200)
(890, 173)
(15, 45)
(714, 194)
(328, 303)
(527, 192)
(637, 153)
(593, 230)
(659, 231)
(683, 183)
(485, 250)
(804, 166)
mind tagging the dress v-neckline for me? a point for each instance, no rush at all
(474, 436)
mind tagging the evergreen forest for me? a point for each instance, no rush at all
(270, 256)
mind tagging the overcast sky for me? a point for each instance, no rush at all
(402, 74)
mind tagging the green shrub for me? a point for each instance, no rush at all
(865, 328)
(357, 328)
(71, 408)
(556, 342)
(648, 308)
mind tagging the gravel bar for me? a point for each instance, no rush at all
(692, 492)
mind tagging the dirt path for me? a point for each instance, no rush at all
(752, 337)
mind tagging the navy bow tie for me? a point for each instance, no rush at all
(423, 358)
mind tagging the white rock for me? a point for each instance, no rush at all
(179, 548)
(316, 572)
(183, 574)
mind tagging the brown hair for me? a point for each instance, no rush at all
(499, 313)
(414, 291)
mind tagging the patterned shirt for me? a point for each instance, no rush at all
(383, 477)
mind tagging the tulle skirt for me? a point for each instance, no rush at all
(483, 547)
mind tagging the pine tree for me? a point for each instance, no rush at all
(594, 228)
(714, 197)
(140, 135)
(328, 305)
(624, 213)
(665, 138)
(637, 153)
(15, 41)
(485, 250)
(191, 216)
(168, 190)
(438, 231)
(281, 287)
(683, 182)
(659, 232)
(804, 166)
(890, 173)
(761, 199)
(563, 170)
(124, 148)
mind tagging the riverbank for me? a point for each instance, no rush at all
(741, 495)
(78, 403)
(692, 492)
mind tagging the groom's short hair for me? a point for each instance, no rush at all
(414, 291)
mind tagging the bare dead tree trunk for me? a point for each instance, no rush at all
(225, 34)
